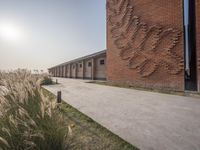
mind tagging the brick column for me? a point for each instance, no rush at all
(70, 70)
(63, 68)
(57, 71)
(76, 70)
(54, 72)
(65, 71)
(83, 69)
(60, 71)
(93, 68)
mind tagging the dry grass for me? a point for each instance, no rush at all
(28, 118)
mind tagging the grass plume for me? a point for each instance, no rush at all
(29, 118)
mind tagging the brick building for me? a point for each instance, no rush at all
(87, 67)
(150, 43)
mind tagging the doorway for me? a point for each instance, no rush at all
(190, 45)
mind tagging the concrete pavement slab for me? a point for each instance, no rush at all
(148, 120)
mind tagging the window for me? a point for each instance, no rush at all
(89, 64)
(186, 25)
(80, 65)
(73, 66)
(102, 62)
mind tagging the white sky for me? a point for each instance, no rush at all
(38, 34)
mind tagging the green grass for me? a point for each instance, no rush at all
(164, 91)
(48, 81)
(87, 134)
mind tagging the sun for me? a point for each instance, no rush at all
(10, 32)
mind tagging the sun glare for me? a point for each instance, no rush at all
(10, 32)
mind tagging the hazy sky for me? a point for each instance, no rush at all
(37, 34)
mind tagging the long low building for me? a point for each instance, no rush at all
(87, 67)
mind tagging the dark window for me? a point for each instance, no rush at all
(102, 62)
(73, 66)
(80, 65)
(89, 64)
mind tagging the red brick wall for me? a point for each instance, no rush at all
(198, 39)
(145, 43)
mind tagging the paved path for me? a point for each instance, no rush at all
(150, 121)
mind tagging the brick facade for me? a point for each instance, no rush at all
(145, 43)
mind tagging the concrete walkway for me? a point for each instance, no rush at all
(150, 121)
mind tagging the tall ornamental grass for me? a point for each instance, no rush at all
(29, 119)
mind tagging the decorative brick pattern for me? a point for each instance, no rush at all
(146, 45)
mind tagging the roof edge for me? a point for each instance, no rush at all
(81, 58)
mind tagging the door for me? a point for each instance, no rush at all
(190, 46)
